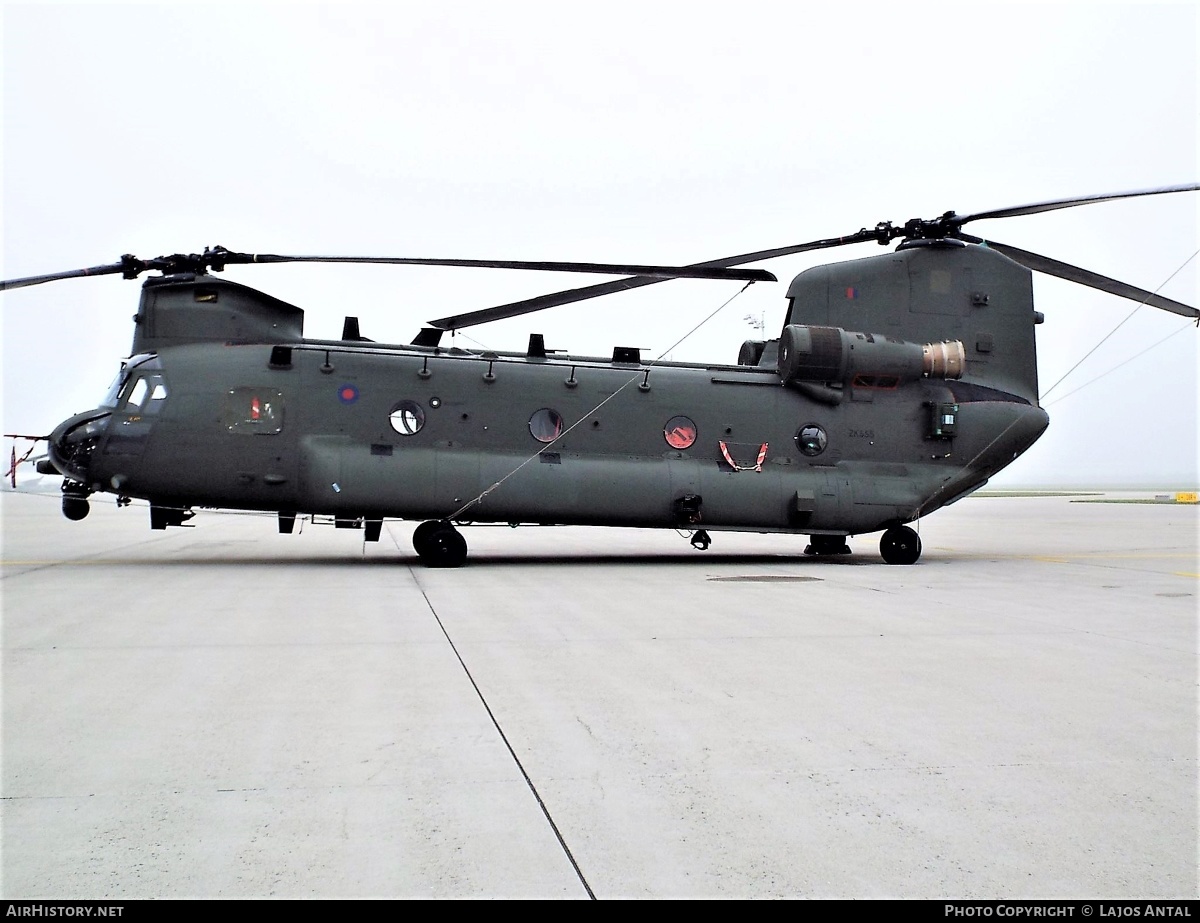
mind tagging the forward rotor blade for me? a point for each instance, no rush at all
(612, 269)
(1055, 204)
(1086, 277)
(69, 274)
(570, 296)
(218, 258)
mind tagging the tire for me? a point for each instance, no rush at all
(75, 508)
(442, 546)
(900, 545)
(421, 534)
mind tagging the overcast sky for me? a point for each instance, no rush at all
(641, 132)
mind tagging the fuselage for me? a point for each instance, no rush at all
(358, 430)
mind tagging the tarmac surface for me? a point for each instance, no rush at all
(223, 711)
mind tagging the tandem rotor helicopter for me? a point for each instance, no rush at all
(899, 383)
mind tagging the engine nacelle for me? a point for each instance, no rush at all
(823, 354)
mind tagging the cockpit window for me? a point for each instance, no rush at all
(253, 411)
(136, 394)
(142, 361)
(144, 394)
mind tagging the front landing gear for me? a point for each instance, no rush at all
(900, 545)
(75, 507)
(439, 544)
(75, 504)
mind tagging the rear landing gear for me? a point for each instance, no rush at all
(900, 545)
(439, 544)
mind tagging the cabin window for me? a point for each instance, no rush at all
(546, 425)
(811, 439)
(680, 432)
(253, 411)
(407, 418)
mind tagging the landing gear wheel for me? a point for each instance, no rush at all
(701, 540)
(827, 544)
(900, 545)
(439, 544)
(420, 536)
(75, 508)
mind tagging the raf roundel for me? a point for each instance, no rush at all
(347, 394)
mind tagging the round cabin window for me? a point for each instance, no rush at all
(407, 418)
(680, 432)
(546, 425)
(811, 439)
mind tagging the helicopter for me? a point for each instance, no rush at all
(898, 384)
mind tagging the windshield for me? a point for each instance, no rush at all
(110, 399)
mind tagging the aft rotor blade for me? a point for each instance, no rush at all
(1086, 277)
(612, 269)
(570, 296)
(1055, 204)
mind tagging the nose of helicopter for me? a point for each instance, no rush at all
(73, 441)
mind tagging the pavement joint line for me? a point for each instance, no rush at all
(504, 737)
